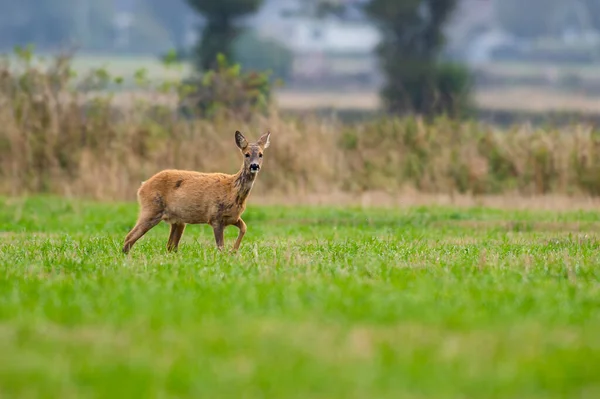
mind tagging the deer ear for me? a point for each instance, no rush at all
(264, 140)
(240, 140)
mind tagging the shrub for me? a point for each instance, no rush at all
(56, 139)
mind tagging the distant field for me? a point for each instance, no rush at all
(530, 99)
(127, 66)
(525, 99)
(120, 65)
(532, 70)
(321, 302)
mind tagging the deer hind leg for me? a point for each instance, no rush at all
(145, 222)
(242, 226)
(174, 236)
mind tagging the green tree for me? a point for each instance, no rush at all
(412, 40)
(222, 27)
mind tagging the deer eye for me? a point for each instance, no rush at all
(247, 155)
(260, 155)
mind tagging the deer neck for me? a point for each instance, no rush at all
(244, 180)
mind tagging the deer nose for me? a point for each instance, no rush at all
(254, 166)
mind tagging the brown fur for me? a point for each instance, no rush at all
(181, 197)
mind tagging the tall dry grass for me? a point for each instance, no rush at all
(57, 138)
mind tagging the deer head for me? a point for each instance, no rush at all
(253, 152)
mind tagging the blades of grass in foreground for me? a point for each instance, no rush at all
(324, 302)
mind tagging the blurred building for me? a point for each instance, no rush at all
(332, 48)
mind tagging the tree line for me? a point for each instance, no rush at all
(409, 53)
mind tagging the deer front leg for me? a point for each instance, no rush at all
(242, 226)
(218, 230)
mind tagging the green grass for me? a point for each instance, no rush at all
(319, 303)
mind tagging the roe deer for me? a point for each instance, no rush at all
(181, 197)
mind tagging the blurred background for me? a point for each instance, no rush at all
(517, 59)
(439, 96)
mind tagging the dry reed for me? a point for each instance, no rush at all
(54, 139)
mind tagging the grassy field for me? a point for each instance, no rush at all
(324, 302)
